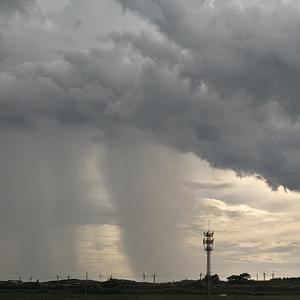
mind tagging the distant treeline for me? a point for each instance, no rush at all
(236, 284)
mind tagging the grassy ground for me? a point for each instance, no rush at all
(31, 296)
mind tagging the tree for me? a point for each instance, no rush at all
(239, 279)
(213, 278)
(245, 276)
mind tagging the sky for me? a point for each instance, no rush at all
(125, 125)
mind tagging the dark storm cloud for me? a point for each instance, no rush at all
(244, 56)
(235, 46)
(219, 79)
(8, 6)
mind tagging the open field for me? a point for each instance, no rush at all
(34, 296)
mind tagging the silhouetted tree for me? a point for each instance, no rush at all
(213, 278)
(245, 276)
(240, 279)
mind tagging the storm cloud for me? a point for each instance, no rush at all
(8, 6)
(209, 76)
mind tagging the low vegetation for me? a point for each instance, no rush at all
(236, 287)
(61, 296)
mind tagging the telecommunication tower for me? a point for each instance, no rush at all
(208, 242)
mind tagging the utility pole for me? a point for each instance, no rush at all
(144, 277)
(256, 277)
(273, 275)
(208, 242)
(154, 278)
(100, 277)
(264, 274)
(86, 283)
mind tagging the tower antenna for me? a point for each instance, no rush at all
(208, 242)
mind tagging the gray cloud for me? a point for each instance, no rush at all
(8, 6)
(250, 76)
(208, 185)
(199, 87)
